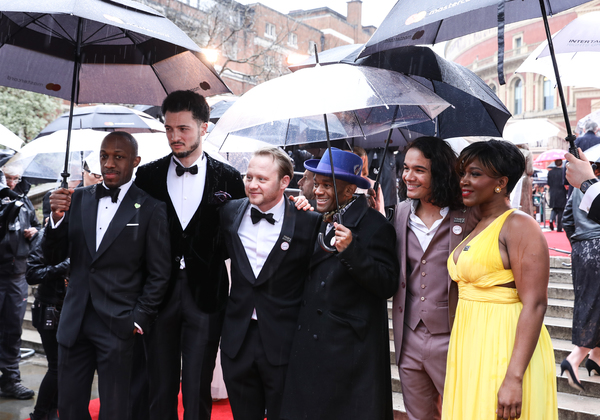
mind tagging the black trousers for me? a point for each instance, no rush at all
(183, 339)
(47, 398)
(13, 302)
(557, 214)
(253, 384)
(98, 349)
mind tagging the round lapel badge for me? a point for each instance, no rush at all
(285, 246)
(456, 229)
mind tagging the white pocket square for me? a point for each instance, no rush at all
(133, 224)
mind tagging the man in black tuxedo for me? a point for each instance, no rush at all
(581, 175)
(270, 243)
(188, 326)
(116, 236)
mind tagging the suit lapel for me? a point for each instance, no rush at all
(278, 252)
(402, 222)
(89, 216)
(128, 208)
(240, 252)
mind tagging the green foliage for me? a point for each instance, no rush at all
(27, 113)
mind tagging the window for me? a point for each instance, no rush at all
(292, 39)
(269, 62)
(548, 94)
(311, 47)
(518, 96)
(270, 30)
(517, 44)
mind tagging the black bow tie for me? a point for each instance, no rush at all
(102, 192)
(256, 215)
(180, 170)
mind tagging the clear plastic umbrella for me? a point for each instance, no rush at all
(358, 101)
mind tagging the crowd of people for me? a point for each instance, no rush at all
(133, 284)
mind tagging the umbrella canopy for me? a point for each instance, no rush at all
(107, 118)
(593, 116)
(43, 158)
(98, 51)
(531, 130)
(127, 52)
(475, 111)
(577, 48)
(431, 21)
(358, 101)
(550, 156)
(218, 109)
(593, 153)
(9, 139)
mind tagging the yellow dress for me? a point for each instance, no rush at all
(483, 336)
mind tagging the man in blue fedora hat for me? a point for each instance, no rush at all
(339, 365)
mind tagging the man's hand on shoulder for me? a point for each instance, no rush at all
(301, 203)
(60, 201)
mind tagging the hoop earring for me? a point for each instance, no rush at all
(498, 190)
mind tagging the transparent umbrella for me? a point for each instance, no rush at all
(357, 101)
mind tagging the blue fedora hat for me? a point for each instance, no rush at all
(347, 167)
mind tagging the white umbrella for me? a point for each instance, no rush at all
(593, 153)
(593, 116)
(576, 46)
(43, 158)
(9, 139)
(532, 130)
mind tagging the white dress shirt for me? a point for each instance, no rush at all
(258, 239)
(186, 192)
(107, 210)
(420, 229)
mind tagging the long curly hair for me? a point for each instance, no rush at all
(445, 182)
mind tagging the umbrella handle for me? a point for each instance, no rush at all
(323, 245)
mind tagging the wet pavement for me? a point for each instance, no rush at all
(33, 370)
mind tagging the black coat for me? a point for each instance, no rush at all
(587, 140)
(199, 243)
(50, 278)
(14, 247)
(558, 193)
(127, 276)
(340, 363)
(277, 292)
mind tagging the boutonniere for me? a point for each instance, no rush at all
(137, 205)
(221, 196)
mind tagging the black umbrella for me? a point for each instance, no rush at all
(111, 51)
(476, 110)
(105, 118)
(430, 21)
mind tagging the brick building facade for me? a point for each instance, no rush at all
(254, 42)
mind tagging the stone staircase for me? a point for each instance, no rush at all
(572, 405)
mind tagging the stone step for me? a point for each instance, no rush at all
(559, 328)
(559, 262)
(560, 308)
(570, 407)
(561, 291)
(30, 339)
(561, 275)
(591, 384)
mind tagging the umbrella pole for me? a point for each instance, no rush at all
(65, 174)
(321, 237)
(570, 137)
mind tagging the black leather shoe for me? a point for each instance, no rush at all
(565, 365)
(16, 390)
(590, 365)
(33, 416)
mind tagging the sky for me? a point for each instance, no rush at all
(373, 11)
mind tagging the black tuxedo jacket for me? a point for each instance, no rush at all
(127, 276)
(277, 292)
(594, 213)
(199, 243)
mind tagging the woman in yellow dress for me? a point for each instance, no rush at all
(500, 360)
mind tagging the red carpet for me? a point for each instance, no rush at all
(220, 411)
(558, 240)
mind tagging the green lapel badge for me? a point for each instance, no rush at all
(137, 205)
